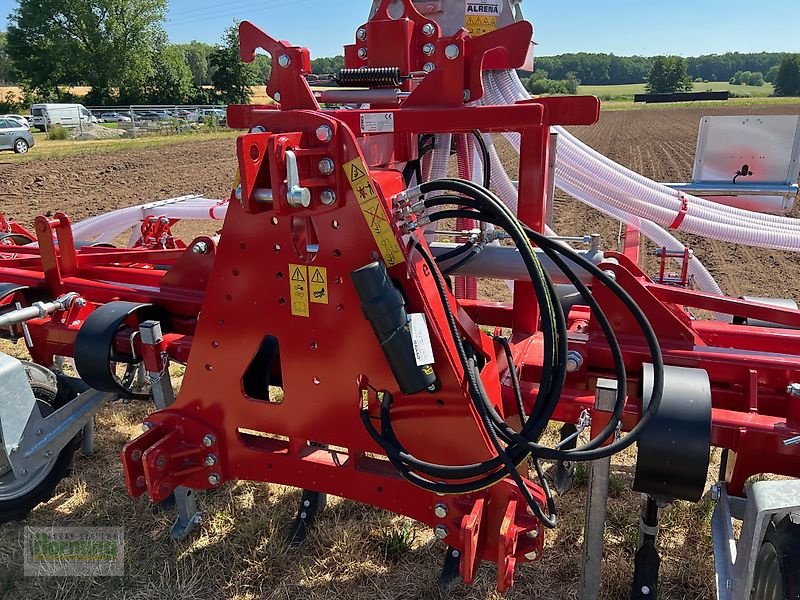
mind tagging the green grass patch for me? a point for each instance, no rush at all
(46, 149)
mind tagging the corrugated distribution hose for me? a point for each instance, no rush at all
(501, 88)
(584, 171)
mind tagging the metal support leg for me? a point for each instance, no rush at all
(87, 441)
(189, 517)
(647, 561)
(594, 527)
(565, 469)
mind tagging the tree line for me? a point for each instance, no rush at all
(609, 69)
(120, 50)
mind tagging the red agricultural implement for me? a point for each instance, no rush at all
(333, 343)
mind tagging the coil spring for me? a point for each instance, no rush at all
(370, 77)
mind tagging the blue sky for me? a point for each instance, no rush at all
(647, 27)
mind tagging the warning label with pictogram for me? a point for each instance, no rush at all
(298, 284)
(482, 16)
(373, 211)
(318, 284)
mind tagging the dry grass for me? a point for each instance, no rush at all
(240, 551)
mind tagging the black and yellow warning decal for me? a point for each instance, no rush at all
(318, 284)
(298, 283)
(374, 214)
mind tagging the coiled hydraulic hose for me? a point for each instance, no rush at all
(512, 447)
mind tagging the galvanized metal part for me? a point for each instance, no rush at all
(189, 517)
(296, 196)
(595, 521)
(735, 560)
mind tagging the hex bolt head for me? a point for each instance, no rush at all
(533, 534)
(200, 248)
(428, 29)
(324, 133)
(467, 95)
(794, 390)
(277, 97)
(532, 555)
(326, 166)
(645, 590)
(440, 511)
(80, 302)
(328, 197)
(211, 460)
(197, 519)
(428, 49)
(610, 274)
(361, 33)
(213, 479)
(574, 361)
(440, 532)
(428, 67)
(147, 426)
(452, 52)
(209, 440)
(362, 53)
(284, 60)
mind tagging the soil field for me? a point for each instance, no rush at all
(240, 551)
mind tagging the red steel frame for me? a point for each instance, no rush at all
(330, 361)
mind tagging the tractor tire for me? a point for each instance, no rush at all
(17, 499)
(777, 570)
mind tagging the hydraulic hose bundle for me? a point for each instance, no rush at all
(513, 447)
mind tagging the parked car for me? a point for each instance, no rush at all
(19, 118)
(152, 115)
(67, 115)
(199, 115)
(15, 136)
(114, 117)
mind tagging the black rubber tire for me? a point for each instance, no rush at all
(21, 146)
(17, 509)
(777, 570)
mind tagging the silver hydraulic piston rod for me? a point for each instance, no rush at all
(37, 310)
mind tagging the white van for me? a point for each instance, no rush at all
(44, 116)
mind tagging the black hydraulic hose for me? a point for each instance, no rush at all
(456, 252)
(487, 165)
(461, 263)
(593, 454)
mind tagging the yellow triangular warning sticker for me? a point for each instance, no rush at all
(298, 275)
(356, 173)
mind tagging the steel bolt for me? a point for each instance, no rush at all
(213, 479)
(467, 95)
(324, 133)
(610, 274)
(304, 515)
(428, 29)
(574, 361)
(533, 534)
(428, 67)
(440, 532)
(307, 503)
(455, 553)
(428, 49)
(197, 519)
(440, 511)
(209, 440)
(200, 248)
(362, 53)
(211, 460)
(452, 51)
(277, 97)
(645, 590)
(533, 555)
(361, 33)
(328, 197)
(794, 390)
(147, 426)
(80, 302)
(284, 60)
(326, 166)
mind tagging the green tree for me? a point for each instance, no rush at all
(263, 65)
(6, 75)
(756, 79)
(100, 43)
(772, 74)
(232, 78)
(170, 79)
(669, 74)
(787, 81)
